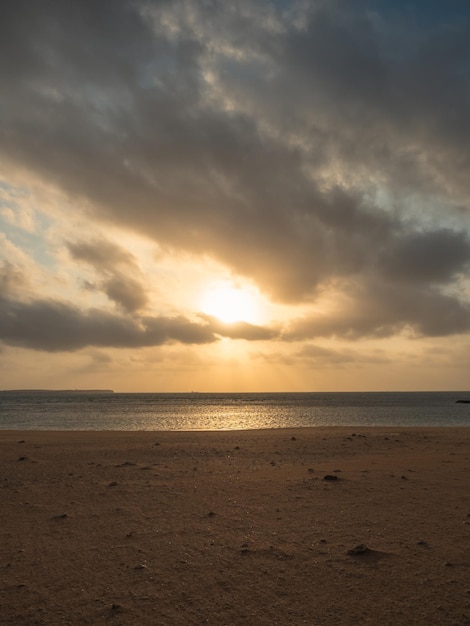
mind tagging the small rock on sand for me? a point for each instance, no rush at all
(61, 516)
(360, 549)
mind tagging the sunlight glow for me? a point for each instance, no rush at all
(230, 304)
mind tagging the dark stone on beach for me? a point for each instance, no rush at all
(21, 441)
(462, 401)
(310, 470)
(113, 484)
(360, 549)
(330, 477)
(293, 438)
(61, 516)
(115, 607)
(211, 514)
(140, 566)
(424, 544)
(404, 477)
(22, 458)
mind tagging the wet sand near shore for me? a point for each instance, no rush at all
(306, 526)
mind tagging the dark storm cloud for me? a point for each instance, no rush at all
(126, 292)
(54, 326)
(421, 257)
(382, 311)
(101, 254)
(115, 264)
(334, 146)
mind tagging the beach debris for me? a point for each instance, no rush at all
(140, 566)
(61, 516)
(310, 470)
(113, 484)
(23, 458)
(330, 477)
(211, 514)
(115, 607)
(360, 549)
(404, 477)
(293, 438)
(21, 441)
(424, 544)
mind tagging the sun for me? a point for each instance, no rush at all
(230, 304)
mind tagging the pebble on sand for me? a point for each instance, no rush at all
(360, 549)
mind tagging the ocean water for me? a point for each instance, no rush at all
(228, 411)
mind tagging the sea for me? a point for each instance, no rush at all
(102, 410)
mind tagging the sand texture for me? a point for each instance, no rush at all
(235, 527)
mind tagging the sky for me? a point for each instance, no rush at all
(251, 196)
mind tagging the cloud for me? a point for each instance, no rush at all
(52, 326)
(303, 148)
(10, 279)
(383, 311)
(102, 254)
(115, 264)
(126, 292)
(318, 356)
(55, 326)
(427, 257)
(240, 330)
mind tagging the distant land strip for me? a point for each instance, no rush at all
(57, 391)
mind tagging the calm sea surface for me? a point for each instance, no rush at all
(222, 411)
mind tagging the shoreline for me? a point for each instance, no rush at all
(236, 527)
(221, 431)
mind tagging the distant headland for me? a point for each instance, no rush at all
(88, 391)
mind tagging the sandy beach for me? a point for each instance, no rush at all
(309, 526)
